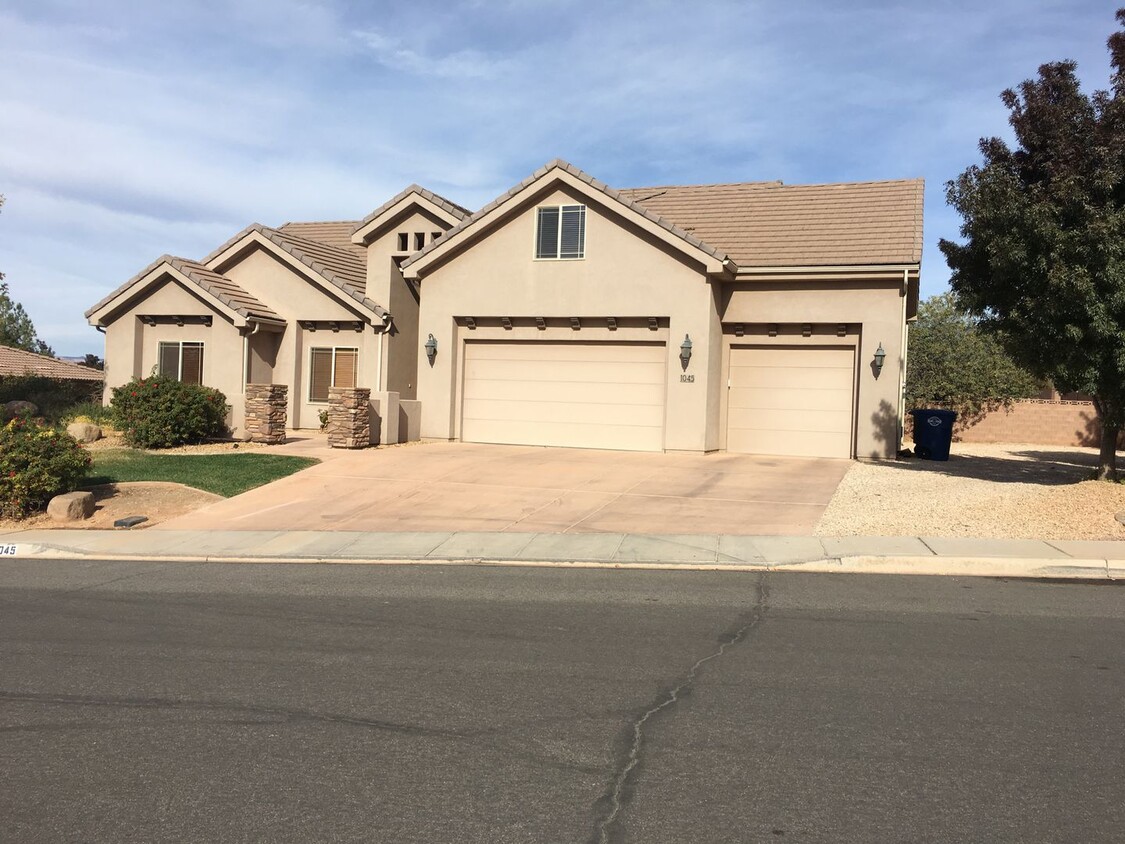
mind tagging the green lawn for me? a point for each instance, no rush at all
(224, 474)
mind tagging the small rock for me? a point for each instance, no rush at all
(1121, 517)
(19, 408)
(71, 506)
(84, 432)
(130, 521)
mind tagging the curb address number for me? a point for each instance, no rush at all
(7, 550)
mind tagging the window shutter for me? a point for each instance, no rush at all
(573, 231)
(320, 375)
(192, 368)
(344, 375)
(169, 363)
(547, 233)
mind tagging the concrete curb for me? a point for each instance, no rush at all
(1038, 568)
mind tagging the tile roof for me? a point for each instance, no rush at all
(765, 224)
(341, 268)
(559, 164)
(440, 201)
(225, 290)
(219, 286)
(336, 233)
(18, 362)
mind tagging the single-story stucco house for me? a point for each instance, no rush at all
(752, 317)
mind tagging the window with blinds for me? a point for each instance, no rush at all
(182, 361)
(331, 367)
(560, 231)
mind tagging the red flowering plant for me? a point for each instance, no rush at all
(36, 463)
(161, 412)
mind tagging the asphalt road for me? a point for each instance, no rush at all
(176, 702)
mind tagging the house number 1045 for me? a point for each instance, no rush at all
(687, 379)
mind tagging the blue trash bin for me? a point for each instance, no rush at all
(933, 433)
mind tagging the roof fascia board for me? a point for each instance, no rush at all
(147, 280)
(866, 270)
(302, 269)
(713, 265)
(367, 233)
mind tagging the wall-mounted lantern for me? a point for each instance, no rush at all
(880, 356)
(685, 351)
(431, 349)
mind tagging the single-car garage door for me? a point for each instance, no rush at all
(584, 395)
(791, 400)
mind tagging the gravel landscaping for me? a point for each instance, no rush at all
(1003, 491)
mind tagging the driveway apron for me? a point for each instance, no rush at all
(470, 487)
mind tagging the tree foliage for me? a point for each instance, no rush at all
(16, 328)
(1042, 266)
(952, 363)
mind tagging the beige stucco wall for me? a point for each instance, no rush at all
(386, 286)
(626, 273)
(873, 313)
(131, 346)
(295, 296)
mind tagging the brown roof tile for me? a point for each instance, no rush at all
(336, 233)
(342, 268)
(18, 362)
(764, 224)
(438, 200)
(219, 286)
(602, 187)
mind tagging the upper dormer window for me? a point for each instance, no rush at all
(560, 231)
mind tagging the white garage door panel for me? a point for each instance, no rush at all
(585, 395)
(791, 400)
(646, 416)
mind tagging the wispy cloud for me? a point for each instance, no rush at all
(127, 135)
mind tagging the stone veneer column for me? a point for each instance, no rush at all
(349, 417)
(265, 412)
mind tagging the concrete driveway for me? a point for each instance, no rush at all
(469, 487)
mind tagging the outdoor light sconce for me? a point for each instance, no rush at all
(685, 352)
(880, 356)
(431, 349)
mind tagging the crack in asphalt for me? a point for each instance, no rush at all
(614, 799)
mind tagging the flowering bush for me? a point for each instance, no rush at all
(37, 463)
(161, 412)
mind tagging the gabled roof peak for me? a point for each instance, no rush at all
(454, 210)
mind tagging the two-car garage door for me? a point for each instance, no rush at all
(578, 394)
(791, 400)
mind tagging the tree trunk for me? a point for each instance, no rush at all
(1107, 459)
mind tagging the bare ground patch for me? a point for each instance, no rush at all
(157, 500)
(1002, 491)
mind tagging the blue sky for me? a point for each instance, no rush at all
(128, 130)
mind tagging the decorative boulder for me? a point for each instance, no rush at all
(84, 432)
(71, 506)
(18, 408)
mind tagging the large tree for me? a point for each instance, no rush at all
(16, 328)
(952, 363)
(1043, 260)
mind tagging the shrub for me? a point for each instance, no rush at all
(161, 412)
(52, 396)
(37, 463)
(89, 411)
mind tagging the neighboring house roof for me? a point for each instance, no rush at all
(19, 362)
(341, 268)
(764, 224)
(336, 233)
(215, 286)
(451, 208)
(677, 233)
